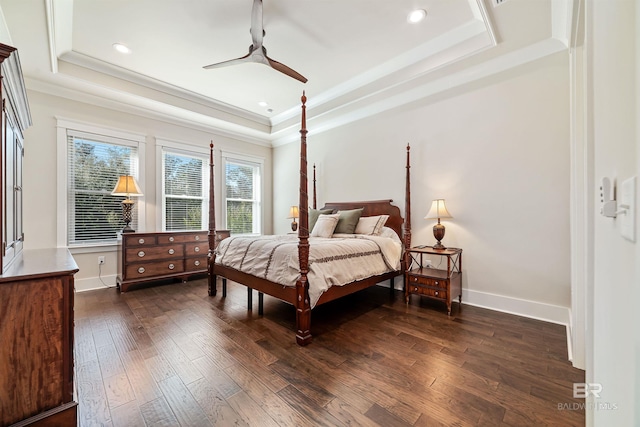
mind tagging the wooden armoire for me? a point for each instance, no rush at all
(36, 288)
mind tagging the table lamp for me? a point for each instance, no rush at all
(127, 186)
(294, 213)
(438, 210)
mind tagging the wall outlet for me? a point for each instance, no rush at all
(100, 260)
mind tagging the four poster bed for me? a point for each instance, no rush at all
(351, 262)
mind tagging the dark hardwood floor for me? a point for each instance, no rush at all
(170, 355)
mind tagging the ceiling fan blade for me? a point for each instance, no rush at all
(236, 61)
(257, 27)
(286, 70)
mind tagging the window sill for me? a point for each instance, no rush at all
(88, 249)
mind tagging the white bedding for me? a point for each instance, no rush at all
(335, 261)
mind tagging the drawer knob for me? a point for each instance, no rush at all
(171, 239)
(141, 254)
(141, 241)
(197, 249)
(171, 251)
(415, 289)
(141, 270)
(197, 263)
(415, 279)
(197, 237)
(171, 266)
(437, 282)
(437, 293)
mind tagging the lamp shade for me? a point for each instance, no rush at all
(294, 212)
(126, 186)
(438, 210)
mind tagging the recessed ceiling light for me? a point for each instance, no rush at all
(121, 48)
(263, 104)
(416, 16)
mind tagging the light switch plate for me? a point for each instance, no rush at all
(627, 200)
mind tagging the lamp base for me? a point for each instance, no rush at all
(128, 229)
(294, 226)
(439, 246)
(438, 233)
(127, 207)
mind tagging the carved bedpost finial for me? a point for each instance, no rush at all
(303, 98)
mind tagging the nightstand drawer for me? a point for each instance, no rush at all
(430, 292)
(428, 281)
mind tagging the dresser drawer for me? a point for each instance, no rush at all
(149, 269)
(195, 264)
(430, 292)
(139, 240)
(155, 253)
(196, 249)
(428, 281)
(182, 238)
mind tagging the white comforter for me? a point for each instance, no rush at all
(334, 261)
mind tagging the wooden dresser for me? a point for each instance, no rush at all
(147, 257)
(36, 326)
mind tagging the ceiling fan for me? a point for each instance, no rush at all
(257, 52)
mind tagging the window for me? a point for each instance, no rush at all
(90, 164)
(242, 194)
(185, 186)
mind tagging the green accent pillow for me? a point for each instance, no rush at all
(314, 214)
(348, 221)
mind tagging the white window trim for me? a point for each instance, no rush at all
(233, 156)
(189, 150)
(134, 139)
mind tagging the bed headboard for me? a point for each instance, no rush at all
(372, 208)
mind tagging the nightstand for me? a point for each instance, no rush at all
(433, 282)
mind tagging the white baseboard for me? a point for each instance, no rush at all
(531, 309)
(93, 283)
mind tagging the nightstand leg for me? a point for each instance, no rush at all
(448, 309)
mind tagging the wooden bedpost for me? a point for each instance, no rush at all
(407, 212)
(303, 306)
(211, 259)
(315, 204)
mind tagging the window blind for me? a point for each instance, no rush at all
(94, 164)
(242, 196)
(184, 191)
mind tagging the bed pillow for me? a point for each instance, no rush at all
(325, 225)
(314, 214)
(348, 221)
(371, 225)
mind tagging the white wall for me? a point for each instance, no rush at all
(40, 172)
(613, 46)
(496, 150)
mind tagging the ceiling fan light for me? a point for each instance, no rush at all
(416, 16)
(121, 48)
